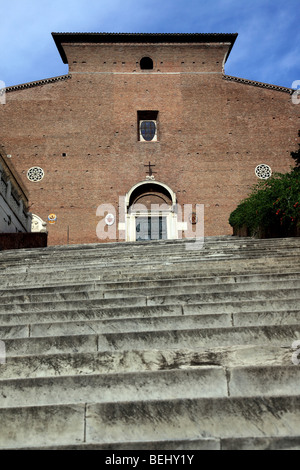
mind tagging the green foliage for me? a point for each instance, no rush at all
(273, 205)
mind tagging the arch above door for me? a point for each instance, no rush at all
(146, 185)
(150, 212)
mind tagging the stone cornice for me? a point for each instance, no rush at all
(61, 39)
(45, 81)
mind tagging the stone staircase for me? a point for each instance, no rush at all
(151, 346)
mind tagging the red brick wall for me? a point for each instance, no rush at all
(212, 134)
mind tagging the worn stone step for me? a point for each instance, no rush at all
(158, 339)
(51, 345)
(200, 282)
(84, 314)
(263, 381)
(115, 325)
(262, 443)
(30, 328)
(156, 252)
(193, 382)
(140, 259)
(42, 426)
(95, 292)
(111, 362)
(251, 306)
(226, 418)
(132, 254)
(214, 288)
(256, 443)
(175, 444)
(204, 381)
(94, 299)
(125, 258)
(277, 335)
(53, 277)
(154, 248)
(242, 312)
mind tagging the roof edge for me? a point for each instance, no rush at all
(143, 38)
(258, 84)
(45, 81)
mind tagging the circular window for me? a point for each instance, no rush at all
(263, 171)
(35, 174)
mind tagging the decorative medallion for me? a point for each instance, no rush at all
(35, 174)
(52, 219)
(263, 171)
(193, 218)
(110, 219)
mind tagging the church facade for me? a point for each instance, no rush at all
(146, 137)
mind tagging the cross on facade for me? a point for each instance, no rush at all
(150, 169)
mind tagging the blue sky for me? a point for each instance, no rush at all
(267, 48)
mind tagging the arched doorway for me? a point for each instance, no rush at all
(150, 212)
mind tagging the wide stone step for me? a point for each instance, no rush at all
(150, 272)
(242, 312)
(140, 254)
(85, 314)
(278, 335)
(111, 362)
(157, 251)
(205, 381)
(255, 443)
(111, 326)
(226, 418)
(201, 282)
(195, 382)
(94, 299)
(154, 248)
(122, 259)
(175, 444)
(214, 288)
(97, 291)
(29, 326)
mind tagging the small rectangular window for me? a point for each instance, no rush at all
(148, 126)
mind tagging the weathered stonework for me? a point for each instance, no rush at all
(140, 346)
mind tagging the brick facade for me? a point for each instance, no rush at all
(82, 129)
